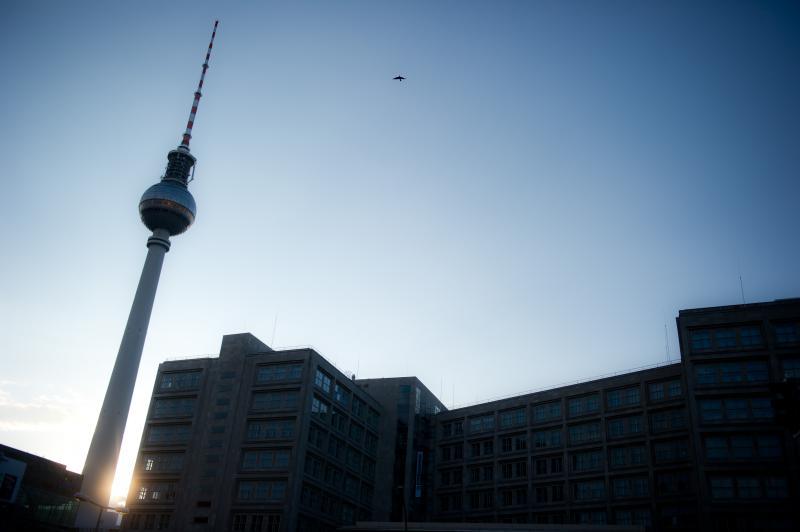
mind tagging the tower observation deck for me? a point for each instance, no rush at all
(167, 209)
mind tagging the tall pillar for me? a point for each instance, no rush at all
(100, 466)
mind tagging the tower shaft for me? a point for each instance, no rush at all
(101, 461)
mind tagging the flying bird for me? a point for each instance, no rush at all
(399, 78)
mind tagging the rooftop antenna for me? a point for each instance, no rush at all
(274, 328)
(187, 135)
(741, 285)
(666, 341)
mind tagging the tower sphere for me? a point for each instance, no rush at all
(167, 206)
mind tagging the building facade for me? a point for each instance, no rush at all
(616, 450)
(255, 440)
(264, 440)
(410, 409)
(735, 360)
(36, 494)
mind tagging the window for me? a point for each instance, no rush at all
(155, 493)
(579, 406)
(179, 407)
(162, 462)
(633, 517)
(372, 417)
(359, 408)
(671, 451)
(547, 412)
(750, 336)
(700, 340)
(622, 427)
(587, 432)
(589, 490)
(635, 455)
(743, 447)
(724, 338)
(630, 487)
(341, 395)
(356, 432)
(264, 460)
(753, 409)
(274, 400)
(512, 418)
(278, 373)
(667, 420)
(587, 461)
(173, 382)
(722, 488)
(663, 391)
(322, 381)
(481, 424)
(261, 490)
(776, 488)
(319, 408)
(791, 368)
(787, 333)
(547, 439)
(732, 373)
(168, 434)
(673, 483)
(623, 397)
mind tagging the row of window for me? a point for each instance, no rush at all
(728, 373)
(745, 336)
(143, 521)
(275, 400)
(327, 504)
(743, 447)
(325, 414)
(666, 484)
(725, 338)
(735, 410)
(256, 522)
(585, 490)
(663, 421)
(274, 373)
(261, 490)
(544, 495)
(179, 381)
(338, 480)
(173, 407)
(337, 448)
(748, 487)
(345, 398)
(576, 407)
(580, 462)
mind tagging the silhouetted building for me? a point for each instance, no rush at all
(264, 440)
(407, 436)
(35, 493)
(735, 360)
(255, 440)
(615, 450)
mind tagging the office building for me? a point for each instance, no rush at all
(255, 440)
(735, 360)
(407, 435)
(36, 494)
(261, 440)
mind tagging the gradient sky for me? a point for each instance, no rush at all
(550, 185)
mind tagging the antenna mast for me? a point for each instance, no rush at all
(187, 135)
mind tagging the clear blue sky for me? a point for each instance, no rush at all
(550, 185)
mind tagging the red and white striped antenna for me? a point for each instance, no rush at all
(187, 135)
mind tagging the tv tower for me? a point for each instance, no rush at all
(166, 208)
